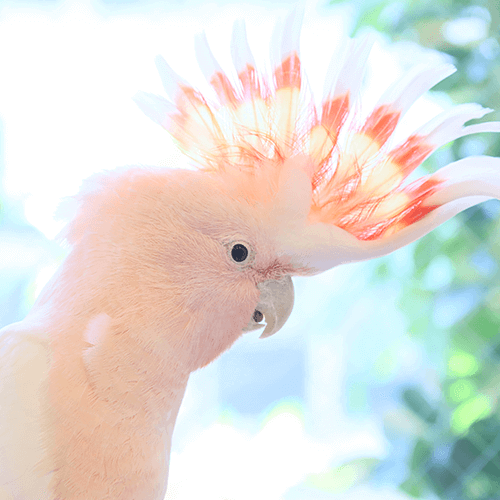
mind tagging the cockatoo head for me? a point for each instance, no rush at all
(284, 187)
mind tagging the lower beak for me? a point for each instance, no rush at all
(275, 305)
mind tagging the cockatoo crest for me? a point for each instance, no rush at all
(355, 178)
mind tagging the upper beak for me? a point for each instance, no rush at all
(275, 304)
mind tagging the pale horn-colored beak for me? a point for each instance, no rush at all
(275, 305)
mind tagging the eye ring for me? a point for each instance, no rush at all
(240, 252)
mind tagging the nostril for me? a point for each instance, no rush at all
(257, 316)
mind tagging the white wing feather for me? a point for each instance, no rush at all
(24, 364)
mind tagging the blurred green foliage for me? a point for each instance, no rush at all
(455, 289)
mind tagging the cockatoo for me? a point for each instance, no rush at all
(168, 267)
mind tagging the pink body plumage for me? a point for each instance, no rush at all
(168, 267)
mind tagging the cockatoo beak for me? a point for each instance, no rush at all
(275, 304)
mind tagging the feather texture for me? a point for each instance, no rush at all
(25, 359)
(167, 268)
(357, 177)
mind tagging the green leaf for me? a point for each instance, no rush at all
(422, 452)
(460, 390)
(484, 323)
(462, 364)
(413, 487)
(419, 405)
(469, 412)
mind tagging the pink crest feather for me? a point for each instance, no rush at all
(258, 122)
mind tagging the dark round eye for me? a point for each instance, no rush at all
(239, 252)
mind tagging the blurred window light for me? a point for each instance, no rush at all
(43, 277)
(465, 30)
(455, 305)
(439, 273)
(483, 262)
(489, 49)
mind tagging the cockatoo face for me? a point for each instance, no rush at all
(228, 240)
(249, 257)
(179, 251)
(308, 187)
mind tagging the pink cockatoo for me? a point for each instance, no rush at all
(168, 267)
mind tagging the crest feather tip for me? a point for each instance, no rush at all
(206, 60)
(170, 80)
(240, 49)
(154, 107)
(291, 31)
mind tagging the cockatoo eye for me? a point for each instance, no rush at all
(239, 252)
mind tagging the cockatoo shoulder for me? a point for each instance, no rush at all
(24, 366)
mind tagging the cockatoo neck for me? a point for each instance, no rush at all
(119, 340)
(114, 380)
